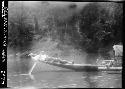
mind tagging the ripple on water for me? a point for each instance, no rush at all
(29, 87)
(68, 86)
(66, 80)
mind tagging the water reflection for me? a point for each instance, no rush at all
(67, 80)
(91, 81)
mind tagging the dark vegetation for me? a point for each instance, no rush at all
(101, 24)
(97, 25)
(20, 31)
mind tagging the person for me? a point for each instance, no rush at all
(34, 56)
(63, 61)
(43, 57)
(110, 64)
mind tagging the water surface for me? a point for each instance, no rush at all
(66, 79)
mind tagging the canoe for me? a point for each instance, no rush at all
(85, 67)
(110, 68)
(78, 67)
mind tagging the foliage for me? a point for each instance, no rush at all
(99, 25)
(20, 30)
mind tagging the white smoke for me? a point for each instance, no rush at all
(118, 50)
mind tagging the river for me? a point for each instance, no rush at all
(66, 79)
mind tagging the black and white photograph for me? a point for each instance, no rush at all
(64, 44)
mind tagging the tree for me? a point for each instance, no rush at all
(100, 25)
(20, 28)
